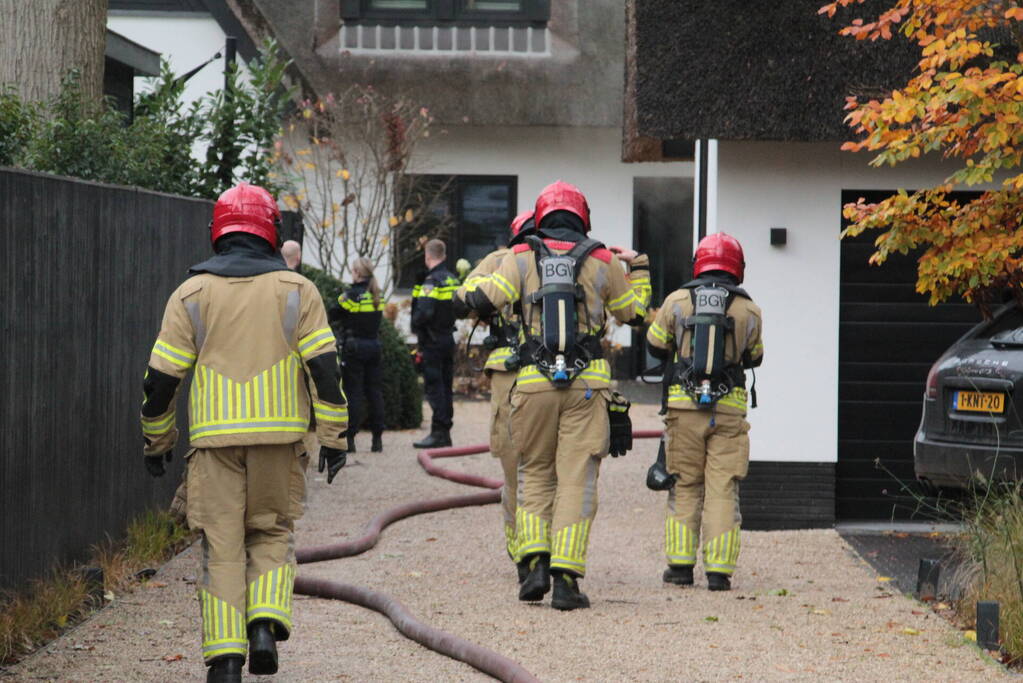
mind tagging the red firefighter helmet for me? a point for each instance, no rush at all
(246, 208)
(519, 221)
(719, 252)
(562, 196)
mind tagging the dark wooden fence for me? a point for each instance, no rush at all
(87, 270)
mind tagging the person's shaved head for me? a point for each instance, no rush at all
(292, 253)
(436, 249)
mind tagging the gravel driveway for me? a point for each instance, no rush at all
(804, 607)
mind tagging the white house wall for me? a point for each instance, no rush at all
(798, 186)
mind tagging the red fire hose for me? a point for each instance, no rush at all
(487, 661)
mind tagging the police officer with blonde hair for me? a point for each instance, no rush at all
(253, 334)
(358, 313)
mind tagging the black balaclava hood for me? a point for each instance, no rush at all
(240, 254)
(528, 228)
(562, 225)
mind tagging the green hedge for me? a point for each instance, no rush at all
(403, 394)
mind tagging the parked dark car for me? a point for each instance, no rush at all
(972, 427)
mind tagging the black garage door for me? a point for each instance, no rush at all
(888, 338)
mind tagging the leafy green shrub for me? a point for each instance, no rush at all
(403, 394)
(17, 123)
(74, 136)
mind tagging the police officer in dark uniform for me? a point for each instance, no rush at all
(433, 322)
(357, 314)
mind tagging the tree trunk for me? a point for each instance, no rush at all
(41, 40)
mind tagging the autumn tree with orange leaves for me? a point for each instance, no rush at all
(965, 102)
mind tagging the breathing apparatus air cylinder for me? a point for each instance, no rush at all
(706, 378)
(557, 353)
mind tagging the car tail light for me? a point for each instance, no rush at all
(932, 382)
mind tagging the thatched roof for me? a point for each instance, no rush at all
(741, 70)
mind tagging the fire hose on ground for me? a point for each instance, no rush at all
(487, 661)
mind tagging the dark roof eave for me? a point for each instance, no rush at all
(142, 60)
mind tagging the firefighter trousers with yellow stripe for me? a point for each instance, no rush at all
(561, 437)
(501, 447)
(710, 460)
(245, 500)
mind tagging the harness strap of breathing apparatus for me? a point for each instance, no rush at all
(558, 354)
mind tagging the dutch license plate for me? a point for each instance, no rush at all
(979, 402)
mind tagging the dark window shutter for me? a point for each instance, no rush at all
(538, 10)
(445, 9)
(351, 9)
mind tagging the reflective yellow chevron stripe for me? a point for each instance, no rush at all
(328, 413)
(721, 553)
(659, 333)
(679, 543)
(511, 542)
(596, 376)
(736, 398)
(497, 357)
(364, 304)
(269, 596)
(155, 426)
(180, 357)
(269, 402)
(533, 532)
(622, 301)
(569, 548)
(314, 340)
(505, 286)
(223, 628)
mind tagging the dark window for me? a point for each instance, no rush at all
(442, 12)
(471, 213)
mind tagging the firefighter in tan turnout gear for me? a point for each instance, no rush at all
(501, 365)
(709, 332)
(255, 337)
(564, 419)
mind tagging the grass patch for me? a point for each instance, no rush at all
(50, 605)
(41, 612)
(990, 567)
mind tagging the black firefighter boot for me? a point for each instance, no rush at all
(716, 581)
(567, 595)
(351, 441)
(438, 438)
(538, 581)
(262, 648)
(680, 575)
(226, 669)
(378, 443)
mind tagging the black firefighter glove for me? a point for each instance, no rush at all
(621, 425)
(333, 460)
(154, 463)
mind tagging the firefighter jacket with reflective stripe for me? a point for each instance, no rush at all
(433, 317)
(668, 332)
(356, 313)
(490, 263)
(607, 289)
(251, 343)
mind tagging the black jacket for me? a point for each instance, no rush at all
(433, 315)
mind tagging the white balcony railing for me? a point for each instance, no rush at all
(446, 40)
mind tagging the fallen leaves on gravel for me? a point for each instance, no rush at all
(173, 658)
(910, 631)
(970, 635)
(884, 578)
(778, 591)
(839, 599)
(710, 619)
